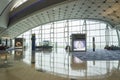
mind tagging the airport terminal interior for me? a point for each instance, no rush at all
(59, 39)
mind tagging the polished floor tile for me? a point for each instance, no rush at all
(54, 65)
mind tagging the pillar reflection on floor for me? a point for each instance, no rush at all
(60, 65)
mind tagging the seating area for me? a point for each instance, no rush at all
(46, 45)
(112, 47)
(3, 47)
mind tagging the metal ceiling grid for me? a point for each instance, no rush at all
(105, 10)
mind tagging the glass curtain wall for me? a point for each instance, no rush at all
(118, 33)
(58, 33)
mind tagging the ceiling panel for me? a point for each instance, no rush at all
(3, 4)
(103, 10)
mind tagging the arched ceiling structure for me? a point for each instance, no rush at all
(45, 11)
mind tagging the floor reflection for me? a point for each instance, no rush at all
(77, 64)
(18, 54)
(63, 64)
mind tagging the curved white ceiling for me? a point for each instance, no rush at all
(104, 10)
(4, 11)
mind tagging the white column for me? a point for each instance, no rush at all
(107, 35)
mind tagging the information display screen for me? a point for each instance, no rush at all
(79, 45)
(18, 42)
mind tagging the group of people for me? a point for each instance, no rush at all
(112, 47)
(3, 47)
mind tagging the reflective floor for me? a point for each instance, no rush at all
(54, 65)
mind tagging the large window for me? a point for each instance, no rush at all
(58, 33)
